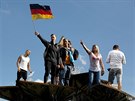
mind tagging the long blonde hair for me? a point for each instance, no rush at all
(97, 47)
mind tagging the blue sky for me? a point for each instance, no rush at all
(102, 22)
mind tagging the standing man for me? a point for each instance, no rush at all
(23, 65)
(51, 57)
(116, 58)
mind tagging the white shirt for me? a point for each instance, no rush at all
(116, 58)
(24, 62)
(94, 62)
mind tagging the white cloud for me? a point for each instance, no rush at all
(82, 60)
(31, 74)
(79, 69)
(40, 81)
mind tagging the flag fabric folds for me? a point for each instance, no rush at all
(40, 12)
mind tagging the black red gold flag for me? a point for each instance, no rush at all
(40, 11)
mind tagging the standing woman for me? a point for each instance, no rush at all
(96, 64)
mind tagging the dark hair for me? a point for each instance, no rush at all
(65, 39)
(69, 42)
(52, 35)
(116, 47)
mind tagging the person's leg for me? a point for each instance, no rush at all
(47, 70)
(96, 78)
(19, 75)
(90, 78)
(119, 85)
(52, 79)
(119, 78)
(67, 75)
(53, 72)
(111, 77)
(62, 76)
(24, 75)
(56, 81)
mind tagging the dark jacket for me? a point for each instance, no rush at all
(63, 52)
(51, 51)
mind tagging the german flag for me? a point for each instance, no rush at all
(40, 12)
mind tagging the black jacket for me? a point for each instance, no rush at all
(51, 52)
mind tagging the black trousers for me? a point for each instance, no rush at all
(21, 74)
(50, 68)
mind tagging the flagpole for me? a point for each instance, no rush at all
(32, 20)
(34, 25)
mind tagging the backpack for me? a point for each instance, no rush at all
(76, 54)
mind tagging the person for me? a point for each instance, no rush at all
(70, 46)
(68, 63)
(72, 51)
(51, 57)
(96, 64)
(23, 64)
(116, 58)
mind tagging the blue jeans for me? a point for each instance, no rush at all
(94, 78)
(67, 75)
(64, 75)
